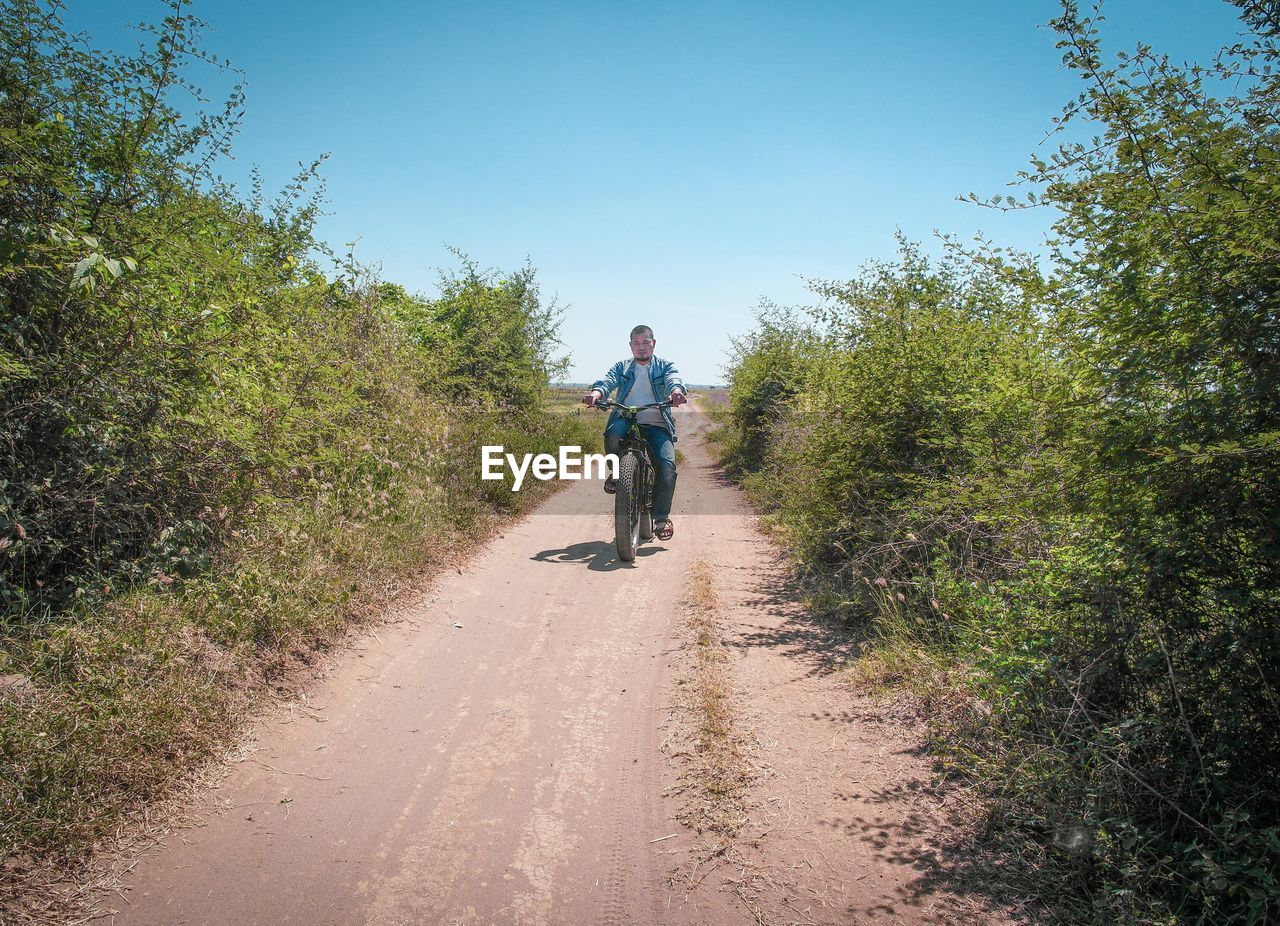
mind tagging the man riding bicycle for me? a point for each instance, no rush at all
(640, 381)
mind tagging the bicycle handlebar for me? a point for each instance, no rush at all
(606, 404)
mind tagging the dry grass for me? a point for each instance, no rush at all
(45, 892)
(719, 761)
(714, 768)
(713, 685)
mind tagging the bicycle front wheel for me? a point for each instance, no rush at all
(626, 507)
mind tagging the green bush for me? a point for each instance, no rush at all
(486, 340)
(766, 366)
(219, 445)
(1054, 494)
(914, 412)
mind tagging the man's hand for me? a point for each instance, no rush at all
(591, 398)
(676, 398)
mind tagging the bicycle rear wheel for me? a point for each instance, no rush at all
(626, 507)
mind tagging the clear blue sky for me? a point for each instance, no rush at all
(670, 163)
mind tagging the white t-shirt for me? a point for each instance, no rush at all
(642, 394)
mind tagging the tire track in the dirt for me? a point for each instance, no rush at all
(431, 859)
(431, 865)
(547, 839)
(565, 858)
(625, 811)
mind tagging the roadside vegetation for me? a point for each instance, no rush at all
(219, 443)
(1048, 487)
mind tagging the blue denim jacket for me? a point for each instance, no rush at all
(663, 375)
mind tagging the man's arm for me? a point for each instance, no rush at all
(675, 387)
(605, 384)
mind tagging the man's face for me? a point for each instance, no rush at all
(642, 347)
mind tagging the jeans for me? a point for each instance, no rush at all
(662, 450)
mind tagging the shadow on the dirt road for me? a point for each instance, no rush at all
(931, 827)
(599, 555)
(821, 644)
(951, 852)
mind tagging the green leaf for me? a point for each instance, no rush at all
(83, 266)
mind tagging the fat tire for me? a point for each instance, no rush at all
(626, 525)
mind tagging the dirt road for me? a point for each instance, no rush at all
(495, 755)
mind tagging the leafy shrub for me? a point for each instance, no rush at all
(1057, 494)
(219, 445)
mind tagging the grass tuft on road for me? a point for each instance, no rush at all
(715, 772)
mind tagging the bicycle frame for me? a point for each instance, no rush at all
(633, 499)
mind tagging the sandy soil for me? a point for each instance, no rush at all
(494, 755)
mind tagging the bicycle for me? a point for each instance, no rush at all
(633, 500)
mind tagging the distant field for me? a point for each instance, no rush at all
(567, 400)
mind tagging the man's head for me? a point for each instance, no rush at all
(642, 343)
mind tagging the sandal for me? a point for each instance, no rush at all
(664, 530)
(611, 486)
